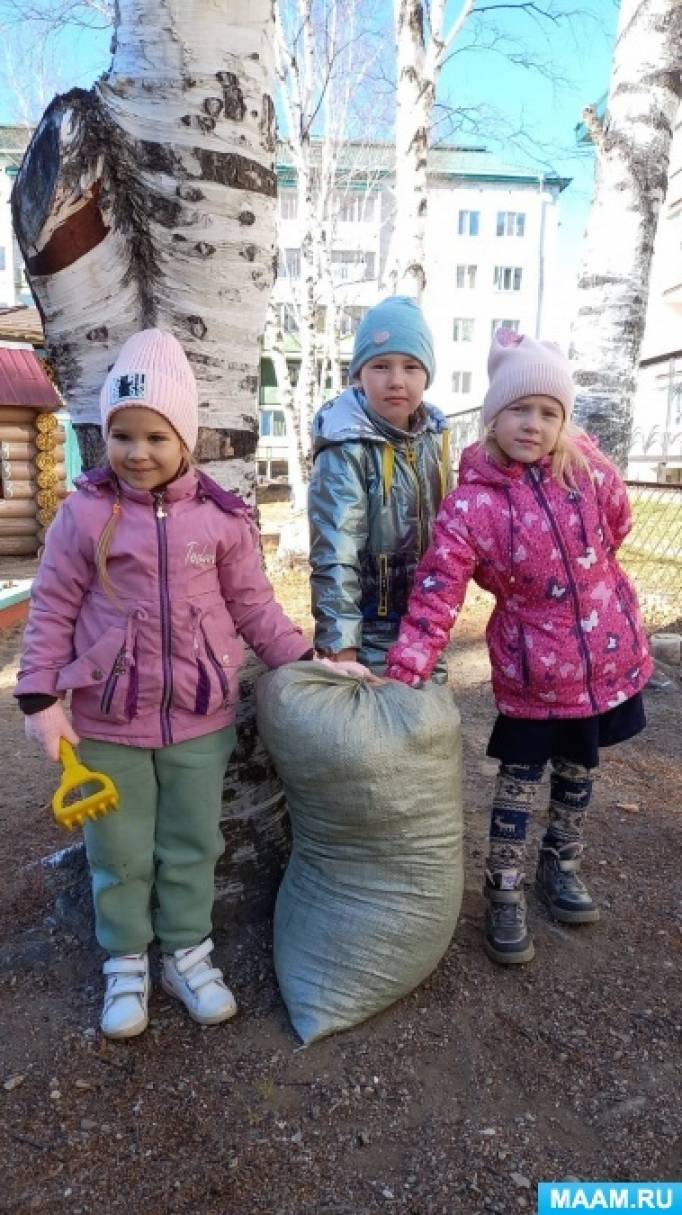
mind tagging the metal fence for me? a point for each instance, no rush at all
(652, 553)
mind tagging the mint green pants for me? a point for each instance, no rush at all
(164, 839)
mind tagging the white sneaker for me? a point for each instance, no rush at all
(124, 1013)
(188, 976)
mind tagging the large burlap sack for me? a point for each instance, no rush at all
(372, 892)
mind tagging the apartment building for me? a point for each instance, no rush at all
(490, 261)
(13, 286)
(656, 452)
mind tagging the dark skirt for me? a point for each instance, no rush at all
(516, 740)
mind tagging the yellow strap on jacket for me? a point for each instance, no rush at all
(388, 465)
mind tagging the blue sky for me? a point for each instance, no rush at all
(516, 98)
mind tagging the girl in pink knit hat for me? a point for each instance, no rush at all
(150, 579)
(536, 520)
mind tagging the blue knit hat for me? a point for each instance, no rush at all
(395, 326)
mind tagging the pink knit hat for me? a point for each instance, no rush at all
(520, 366)
(152, 371)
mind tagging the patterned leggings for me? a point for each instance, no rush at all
(515, 790)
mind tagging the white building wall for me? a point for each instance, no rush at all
(528, 303)
(534, 307)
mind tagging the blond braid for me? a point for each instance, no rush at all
(104, 544)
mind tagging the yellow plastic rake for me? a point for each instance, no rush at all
(95, 805)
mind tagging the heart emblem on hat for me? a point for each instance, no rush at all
(381, 336)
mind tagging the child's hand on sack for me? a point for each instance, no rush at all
(354, 670)
(47, 727)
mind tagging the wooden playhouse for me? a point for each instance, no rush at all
(32, 452)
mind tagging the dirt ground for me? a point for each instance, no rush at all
(458, 1099)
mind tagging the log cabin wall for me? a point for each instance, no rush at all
(32, 453)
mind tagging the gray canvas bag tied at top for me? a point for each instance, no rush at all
(371, 895)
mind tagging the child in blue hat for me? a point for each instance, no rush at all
(381, 468)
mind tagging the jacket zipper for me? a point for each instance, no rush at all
(164, 596)
(217, 667)
(525, 668)
(534, 478)
(382, 609)
(112, 680)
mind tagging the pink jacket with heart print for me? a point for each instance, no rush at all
(159, 663)
(565, 638)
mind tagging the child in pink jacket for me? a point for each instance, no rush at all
(150, 578)
(536, 520)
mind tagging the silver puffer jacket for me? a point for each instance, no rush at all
(373, 498)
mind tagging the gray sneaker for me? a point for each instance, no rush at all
(507, 939)
(560, 888)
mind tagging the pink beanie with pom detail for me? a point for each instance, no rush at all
(152, 371)
(521, 366)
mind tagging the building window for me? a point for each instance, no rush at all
(272, 422)
(504, 324)
(463, 329)
(356, 207)
(2, 257)
(465, 276)
(352, 265)
(467, 224)
(292, 263)
(461, 382)
(349, 320)
(507, 278)
(287, 318)
(288, 204)
(511, 223)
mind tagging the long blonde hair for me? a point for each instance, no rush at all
(568, 457)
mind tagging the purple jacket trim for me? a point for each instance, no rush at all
(231, 503)
(203, 690)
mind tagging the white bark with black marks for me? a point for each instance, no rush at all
(422, 44)
(633, 149)
(149, 201)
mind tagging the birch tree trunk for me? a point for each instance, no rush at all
(422, 45)
(148, 200)
(632, 145)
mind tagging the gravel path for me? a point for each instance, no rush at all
(458, 1099)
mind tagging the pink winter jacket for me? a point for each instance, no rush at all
(565, 638)
(160, 663)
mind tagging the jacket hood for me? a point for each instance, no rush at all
(346, 417)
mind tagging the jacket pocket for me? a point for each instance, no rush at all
(218, 668)
(95, 665)
(97, 676)
(629, 607)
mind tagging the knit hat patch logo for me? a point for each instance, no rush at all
(128, 387)
(380, 337)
